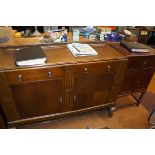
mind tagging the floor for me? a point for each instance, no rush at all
(122, 119)
(130, 117)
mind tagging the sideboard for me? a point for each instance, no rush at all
(138, 73)
(63, 86)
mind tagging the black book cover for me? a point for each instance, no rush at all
(135, 47)
(29, 53)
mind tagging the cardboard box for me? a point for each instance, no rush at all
(6, 35)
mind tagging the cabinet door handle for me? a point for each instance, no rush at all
(144, 63)
(108, 68)
(74, 97)
(86, 70)
(137, 82)
(61, 100)
(20, 78)
(49, 74)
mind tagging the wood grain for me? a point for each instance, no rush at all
(6, 99)
(77, 85)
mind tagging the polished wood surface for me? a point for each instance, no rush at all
(73, 85)
(33, 74)
(2, 119)
(139, 70)
(66, 85)
(2, 125)
(38, 98)
(60, 55)
(92, 90)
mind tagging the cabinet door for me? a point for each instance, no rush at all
(38, 98)
(128, 83)
(142, 80)
(92, 90)
(137, 81)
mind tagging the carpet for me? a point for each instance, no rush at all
(148, 101)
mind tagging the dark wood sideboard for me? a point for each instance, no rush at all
(138, 74)
(64, 85)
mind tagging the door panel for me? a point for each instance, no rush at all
(92, 90)
(127, 84)
(136, 81)
(38, 98)
(142, 80)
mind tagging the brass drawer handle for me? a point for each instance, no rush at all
(49, 74)
(86, 70)
(61, 100)
(20, 78)
(137, 82)
(108, 68)
(144, 63)
(74, 97)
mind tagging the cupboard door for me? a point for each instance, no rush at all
(137, 81)
(142, 80)
(38, 98)
(92, 90)
(127, 83)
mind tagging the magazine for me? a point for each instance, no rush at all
(79, 49)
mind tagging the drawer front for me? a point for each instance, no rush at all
(148, 63)
(141, 63)
(95, 68)
(134, 64)
(19, 76)
(142, 80)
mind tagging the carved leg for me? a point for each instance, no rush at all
(139, 98)
(109, 110)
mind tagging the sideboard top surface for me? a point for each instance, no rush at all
(60, 55)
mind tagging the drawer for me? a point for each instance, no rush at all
(95, 68)
(148, 63)
(18, 76)
(138, 63)
(134, 64)
(142, 80)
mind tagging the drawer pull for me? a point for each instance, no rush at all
(61, 100)
(137, 82)
(86, 70)
(74, 97)
(108, 68)
(144, 63)
(49, 74)
(67, 90)
(20, 78)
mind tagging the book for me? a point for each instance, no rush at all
(79, 49)
(32, 55)
(135, 47)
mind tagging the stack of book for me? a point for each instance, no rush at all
(78, 49)
(33, 55)
(135, 47)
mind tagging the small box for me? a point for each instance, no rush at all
(6, 34)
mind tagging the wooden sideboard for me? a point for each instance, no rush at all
(64, 85)
(139, 72)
